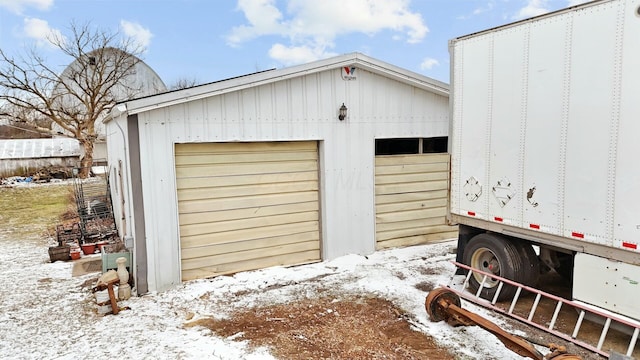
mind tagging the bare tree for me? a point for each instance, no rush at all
(76, 98)
(183, 83)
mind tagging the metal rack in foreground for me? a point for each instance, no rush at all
(93, 201)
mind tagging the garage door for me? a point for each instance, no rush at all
(411, 200)
(245, 206)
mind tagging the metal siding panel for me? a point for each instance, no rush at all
(608, 284)
(347, 193)
(265, 110)
(401, 106)
(369, 101)
(234, 124)
(504, 189)
(327, 98)
(282, 115)
(117, 132)
(398, 110)
(312, 95)
(473, 90)
(297, 99)
(402, 111)
(212, 127)
(627, 207)
(159, 193)
(195, 113)
(588, 127)
(248, 113)
(543, 140)
(143, 276)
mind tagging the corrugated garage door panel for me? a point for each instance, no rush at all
(245, 206)
(197, 217)
(411, 200)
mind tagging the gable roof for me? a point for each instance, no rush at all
(39, 148)
(361, 61)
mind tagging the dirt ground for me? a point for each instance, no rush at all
(319, 321)
(329, 328)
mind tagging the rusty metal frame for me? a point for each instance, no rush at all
(475, 298)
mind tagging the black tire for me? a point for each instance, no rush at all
(494, 254)
(530, 262)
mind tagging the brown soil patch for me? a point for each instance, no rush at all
(327, 328)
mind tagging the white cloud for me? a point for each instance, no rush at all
(533, 8)
(483, 9)
(429, 63)
(479, 10)
(17, 6)
(263, 17)
(141, 35)
(40, 30)
(291, 55)
(312, 26)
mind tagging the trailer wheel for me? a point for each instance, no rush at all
(530, 263)
(496, 255)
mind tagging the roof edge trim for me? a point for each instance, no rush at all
(243, 82)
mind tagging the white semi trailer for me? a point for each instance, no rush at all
(545, 151)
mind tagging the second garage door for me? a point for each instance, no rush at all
(411, 200)
(245, 206)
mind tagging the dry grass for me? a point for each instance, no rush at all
(24, 210)
(327, 328)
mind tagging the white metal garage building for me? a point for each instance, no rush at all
(263, 169)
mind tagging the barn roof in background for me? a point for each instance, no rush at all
(39, 148)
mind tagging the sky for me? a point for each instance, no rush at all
(210, 40)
